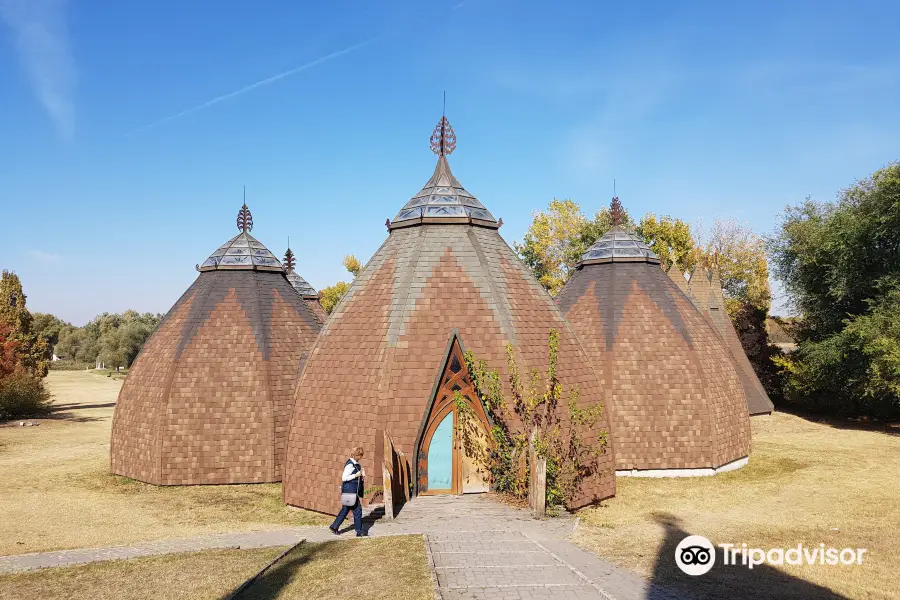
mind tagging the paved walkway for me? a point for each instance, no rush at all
(67, 558)
(479, 549)
(482, 549)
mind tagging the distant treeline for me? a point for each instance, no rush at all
(112, 340)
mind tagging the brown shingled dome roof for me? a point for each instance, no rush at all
(208, 398)
(388, 360)
(675, 396)
(705, 289)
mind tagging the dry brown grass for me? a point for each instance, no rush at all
(57, 492)
(392, 568)
(192, 576)
(806, 483)
(376, 569)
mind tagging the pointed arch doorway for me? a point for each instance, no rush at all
(442, 466)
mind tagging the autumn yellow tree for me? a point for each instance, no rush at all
(739, 255)
(670, 239)
(550, 245)
(352, 264)
(331, 295)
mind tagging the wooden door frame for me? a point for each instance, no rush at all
(428, 425)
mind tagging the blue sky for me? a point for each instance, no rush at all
(129, 129)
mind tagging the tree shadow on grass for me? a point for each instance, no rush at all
(848, 423)
(763, 582)
(271, 583)
(72, 418)
(76, 406)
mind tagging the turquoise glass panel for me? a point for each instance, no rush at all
(440, 455)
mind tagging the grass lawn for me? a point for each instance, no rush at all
(338, 569)
(807, 483)
(392, 568)
(57, 492)
(191, 576)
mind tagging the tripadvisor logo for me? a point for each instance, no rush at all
(696, 555)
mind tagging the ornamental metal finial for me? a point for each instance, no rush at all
(244, 219)
(616, 212)
(443, 139)
(289, 260)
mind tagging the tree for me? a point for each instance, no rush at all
(111, 339)
(113, 350)
(8, 363)
(550, 246)
(740, 257)
(49, 328)
(670, 239)
(352, 264)
(331, 295)
(32, 352)
(559, 236)
(24, 356)
(840, 263)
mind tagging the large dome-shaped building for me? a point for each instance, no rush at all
(389, 359)
(676, 402)
(208, 399)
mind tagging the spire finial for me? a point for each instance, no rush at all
(244, 218)
(443, 139)
(616, 212)
(289, 260)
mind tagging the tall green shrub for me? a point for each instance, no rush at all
(840, 262)
(23, 395)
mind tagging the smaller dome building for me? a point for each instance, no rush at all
(705, 289)
(306, 291)
(675, 399)
(208, 399)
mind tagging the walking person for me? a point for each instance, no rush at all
(352, 486)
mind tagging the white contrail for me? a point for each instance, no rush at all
(259, 83)
(41, 40)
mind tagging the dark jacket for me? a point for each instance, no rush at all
(348, 487)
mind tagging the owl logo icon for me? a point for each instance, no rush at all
(695, 555)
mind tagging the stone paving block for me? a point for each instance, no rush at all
(508, 576)
(577, 592)
(483, 546)
(479, 559)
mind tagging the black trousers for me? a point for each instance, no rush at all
(357, 517)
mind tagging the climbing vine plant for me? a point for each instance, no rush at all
(528, 412)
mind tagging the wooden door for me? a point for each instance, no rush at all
(456, 473)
